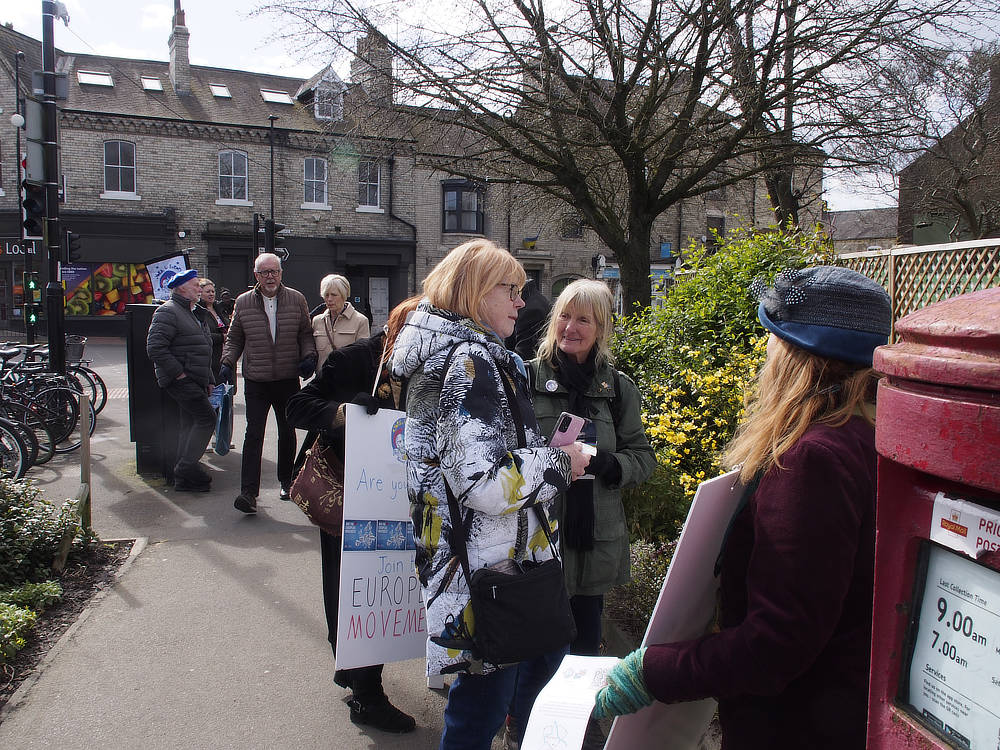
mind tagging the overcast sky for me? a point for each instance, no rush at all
(224, 35)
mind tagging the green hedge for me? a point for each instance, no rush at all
(692, 358)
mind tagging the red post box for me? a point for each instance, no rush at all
(935, 675)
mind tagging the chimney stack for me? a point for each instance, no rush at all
(372, 68)
(180, 65)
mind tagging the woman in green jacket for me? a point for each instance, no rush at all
(574, 373)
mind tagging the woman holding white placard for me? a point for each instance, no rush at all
(789, 664)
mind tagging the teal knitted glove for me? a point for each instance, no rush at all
(626, 691)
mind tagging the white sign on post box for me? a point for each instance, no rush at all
(381, 616)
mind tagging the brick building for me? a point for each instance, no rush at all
(159, 158)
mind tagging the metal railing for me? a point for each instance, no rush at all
(917, 276)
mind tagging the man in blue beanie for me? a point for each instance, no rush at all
(181, 352)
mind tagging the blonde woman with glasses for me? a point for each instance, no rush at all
(466, 408)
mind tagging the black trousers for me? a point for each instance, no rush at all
(587, 612)
(261, 397)
(364, 682)
(196, 425)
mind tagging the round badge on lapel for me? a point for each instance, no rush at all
(551, 386)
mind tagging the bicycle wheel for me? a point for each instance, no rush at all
(98, 390)
(42, 435)
(13, 454)
(57, 406)
(27, 436)
(72, 441)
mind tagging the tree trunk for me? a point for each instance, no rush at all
(783, 198)
(633, 265)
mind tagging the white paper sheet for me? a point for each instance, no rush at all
(562, 709)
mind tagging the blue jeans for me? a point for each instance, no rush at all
(478, 704)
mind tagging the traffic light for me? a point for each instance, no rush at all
(72, 247)
(30, 314)
(272, 240)
(32, 291)
(33, 209)
(258, 234)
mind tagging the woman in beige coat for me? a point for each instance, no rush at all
(340, 324)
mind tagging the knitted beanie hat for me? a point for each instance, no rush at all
(180, 277)
(827, 310)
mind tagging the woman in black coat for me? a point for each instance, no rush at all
(215, 321)
(347, 376)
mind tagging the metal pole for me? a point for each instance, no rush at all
(29, 328)
(53, 234)
(271, 119)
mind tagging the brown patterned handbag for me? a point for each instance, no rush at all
(318, 488)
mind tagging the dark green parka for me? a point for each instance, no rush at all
(607, 564)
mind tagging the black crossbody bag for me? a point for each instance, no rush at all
(521, 607)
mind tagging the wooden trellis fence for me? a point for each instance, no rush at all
(919, 275)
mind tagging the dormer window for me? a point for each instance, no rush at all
(94, 78)
(220, 90)
(151, 83)
(328, 103)
(275, 97)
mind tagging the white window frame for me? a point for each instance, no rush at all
(308, 180)
(220, 91)
(328, 102)
(94, 78)
(151, 83)
(121, 195)
(367, 185)
(273, 96)
(233, 175)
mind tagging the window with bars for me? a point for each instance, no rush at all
(463, 207)
(369, 183)
(119, 167)
(232, 175)
(315, 181)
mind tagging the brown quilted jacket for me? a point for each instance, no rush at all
(250, 336)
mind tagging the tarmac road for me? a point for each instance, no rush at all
(214, 635)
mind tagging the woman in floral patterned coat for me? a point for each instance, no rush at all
(461, 428)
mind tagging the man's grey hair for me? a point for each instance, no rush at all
(266, 256)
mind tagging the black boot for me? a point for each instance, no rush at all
(379, 713)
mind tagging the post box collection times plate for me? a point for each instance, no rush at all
(952, 683)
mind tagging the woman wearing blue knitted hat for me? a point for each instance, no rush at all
(789, 661)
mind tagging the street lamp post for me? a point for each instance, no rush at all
(53, 235)
(18, 122)
(270, 120)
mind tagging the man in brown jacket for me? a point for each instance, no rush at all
(272, 331)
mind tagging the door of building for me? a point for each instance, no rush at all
(378, 298)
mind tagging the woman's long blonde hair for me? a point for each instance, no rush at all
(582, 294)
(468, 273)
(796, 389)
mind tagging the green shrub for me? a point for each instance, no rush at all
(14, 623)
(688, 425)
(692, 359)
(631, 604)
(33, 596)
(31, 529)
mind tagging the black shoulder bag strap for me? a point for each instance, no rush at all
(459, 528)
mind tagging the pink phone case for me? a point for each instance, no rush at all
(567, 430)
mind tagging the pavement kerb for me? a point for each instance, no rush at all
(138, 546)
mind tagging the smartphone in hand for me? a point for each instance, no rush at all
(568, 429)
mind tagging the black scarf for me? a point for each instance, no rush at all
(578, 520)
